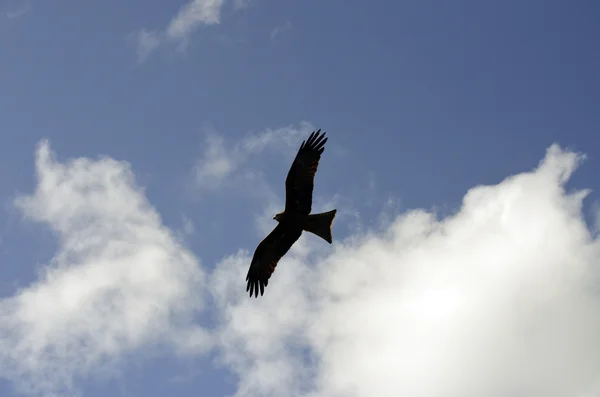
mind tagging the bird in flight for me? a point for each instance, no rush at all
(296, 216)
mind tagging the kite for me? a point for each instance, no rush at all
(296, 216)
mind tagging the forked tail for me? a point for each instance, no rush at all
(320, 224)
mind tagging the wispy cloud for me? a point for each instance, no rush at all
(215, 164)
(119, 281)
(190, 17)
(279, 30)
(236, 167)
(239, 4)
(146, 43)
(222, 162)
(498, 299)
(193, 15)
(18, 11)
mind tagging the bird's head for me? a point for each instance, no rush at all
(277, 217)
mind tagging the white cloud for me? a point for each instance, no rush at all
(499, 299)
(190, 17)
(146, 43)
(220, 163)
(119, 281)
(193, 15)
(215, 164)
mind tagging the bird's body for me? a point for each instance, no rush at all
(296, 216)
(292, 218)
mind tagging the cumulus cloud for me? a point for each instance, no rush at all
(118, 282)
(498, 299)
(190, 17)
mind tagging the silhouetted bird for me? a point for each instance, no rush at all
(296, 216)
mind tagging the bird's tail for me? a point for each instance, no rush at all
(320, 224)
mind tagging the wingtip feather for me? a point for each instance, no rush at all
(315, 141)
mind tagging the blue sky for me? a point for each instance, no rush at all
(142, 156)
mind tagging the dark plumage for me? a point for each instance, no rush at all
(296, 216)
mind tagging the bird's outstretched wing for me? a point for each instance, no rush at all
(267, 255)
(299, 183)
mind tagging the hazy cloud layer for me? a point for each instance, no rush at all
(119, 280)
(499, 299)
